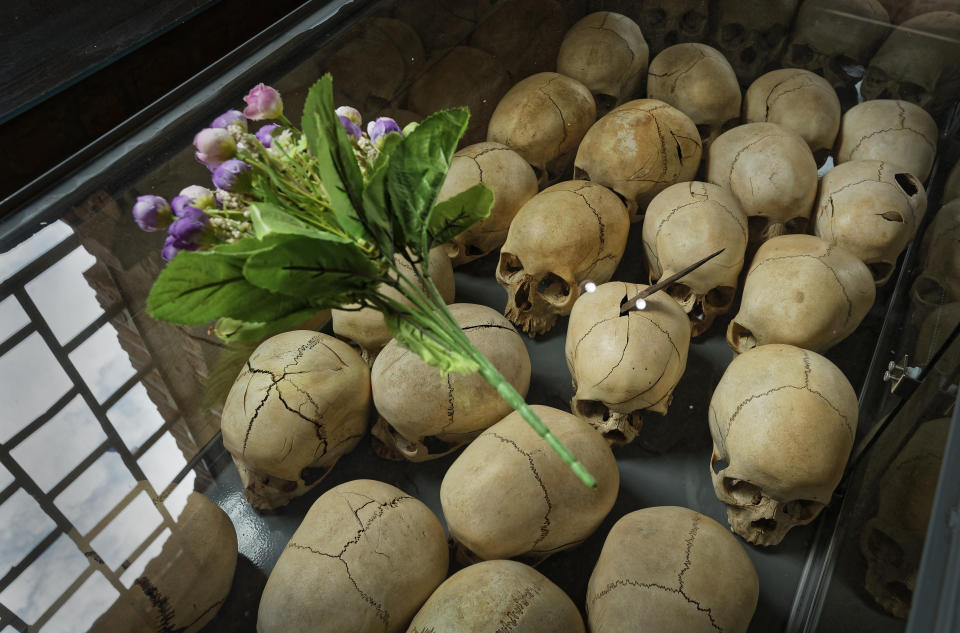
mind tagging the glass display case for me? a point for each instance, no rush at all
(110, 445)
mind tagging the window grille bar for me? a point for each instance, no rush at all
(16, 338)
(42, 419)
(26, 274)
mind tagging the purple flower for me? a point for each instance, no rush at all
(351, 113)
(230, 117)
(194, 196)
(152, 213)
(266, 133)
(214, 145)
(353, 130)
(376, 130)
(188, 231)
(233, 175)
(263, 102)
(169, 249)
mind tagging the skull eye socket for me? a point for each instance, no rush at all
(802, 509)
(605, 103)
(717, 464)
(654, 17)
(774, 36)
(311, 475)
(510, 265)
(800, 54)
(692, 22)
(912, 92)
(885, 547)
(593, 410)
(908, 183)
(929, 291)
(472, 250)
(743, 492)
(681, 293)
(554, 289)
(844, 66)
(720, 297)
(741, 338)
(732, 34)
(704, 130)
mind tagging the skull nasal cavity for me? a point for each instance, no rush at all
(764, 525)
(907, 182)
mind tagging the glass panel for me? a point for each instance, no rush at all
(5, 478)
(58, 446)
(80, 611)
(102, 362)
(135, 417)
(65, 299)
(28, 250)
(22, 391)
(96, 492)
(45, 580)
(136, 567)
(32, 525)
(12, 317)
(177, 500)
(127, 531)
(162, 462)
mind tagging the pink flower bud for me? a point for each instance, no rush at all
(263, 102)
(214, 145)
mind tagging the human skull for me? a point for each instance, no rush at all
(622, 364)
(605, 52)
(512, 181)
(509, 495)
(837, 38)
(663, 22)
(699, 81)
(572, 232)
(802, 291)
(658, 571)
(685, 223)
(366, 328)
(498, 596)
(365, 557)
(299, 404)
(939, 283)
(892, 540)
(772, 173)
(800, 101)
(183, 587)
(783, 421)
(752, 34)
(871, 209)
(461, 76)
(375, 61)
(897, 132)
(441, 24)
(917, 63)
(525, 35)
(935, 329)
(639, 149)
(424, 414)
(901, 11)
(543, 118)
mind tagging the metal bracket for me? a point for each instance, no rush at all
(902, 377)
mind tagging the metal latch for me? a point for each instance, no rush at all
(902, 377)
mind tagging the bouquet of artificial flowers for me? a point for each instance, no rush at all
(309, 219)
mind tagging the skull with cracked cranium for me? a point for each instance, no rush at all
(783, 420)
(685, 223)
(570, 233)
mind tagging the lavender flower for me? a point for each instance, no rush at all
(228, 118)
(169, 250)
(152, 213)
(353, 130)
(194, 196)
(187, 232)
(214, 145)
(233, 175)
(263, 102)
(378, 129)
(351, 113)
(266, 133)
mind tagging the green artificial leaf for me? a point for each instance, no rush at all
(224, 373)
(339, 172)
(324, 270)
(454, 215)
(198, 287)
(242, 247)
(270, 219)
(417, 169)
(233, 330)
(431, 350)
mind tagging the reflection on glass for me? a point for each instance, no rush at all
(135, 570)
(177, 500)
(77, 614)
(5, 478)
(31, 380)
(65, 299)
(127, 531)
(12, 317)
(45, 580)
(95, 492)
(60, 445)
(28, 250)
(162, 462)
(102, 362)
(135, 417)
(24, 525)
